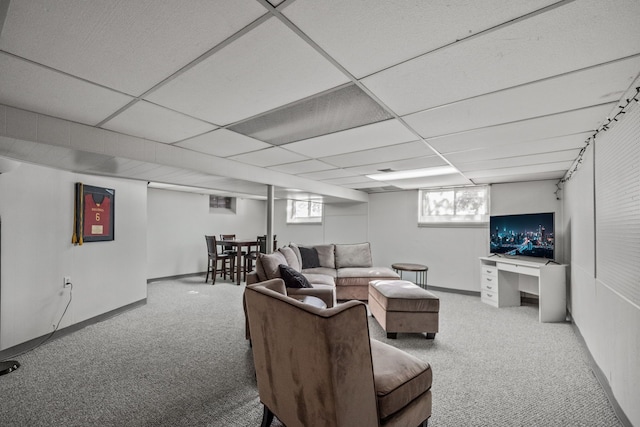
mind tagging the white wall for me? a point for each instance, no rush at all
(178, 222)
(342, 223)
(450, 253)
(36, 209)
(608, 323)
(389, 222)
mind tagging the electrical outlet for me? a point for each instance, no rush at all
(66, 281)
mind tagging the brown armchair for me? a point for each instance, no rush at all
(319, 367)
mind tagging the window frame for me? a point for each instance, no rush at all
(222, 204)
(293, 219)
(472, 221)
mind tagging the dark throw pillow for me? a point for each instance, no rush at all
(293, 279)
(309, 257)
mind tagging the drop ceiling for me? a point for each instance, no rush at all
(312, 96)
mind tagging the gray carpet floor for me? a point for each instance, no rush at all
(181, 360)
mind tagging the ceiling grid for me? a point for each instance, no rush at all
(315, 96)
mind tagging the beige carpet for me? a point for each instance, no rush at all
(182, 360)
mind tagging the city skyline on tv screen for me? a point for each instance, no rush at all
(523, 235)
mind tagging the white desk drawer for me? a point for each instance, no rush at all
(489, 283)
(489, 270)
(520, 269)
(489, 297)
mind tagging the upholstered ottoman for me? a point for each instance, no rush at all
(402, 306)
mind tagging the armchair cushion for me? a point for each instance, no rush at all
(398, 376)
(292, 278)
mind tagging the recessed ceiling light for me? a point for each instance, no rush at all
(413, 173)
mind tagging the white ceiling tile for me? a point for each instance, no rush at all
(268, 67)
(492, 103)
(223, 143)
(126, 45)
(375, 38)
(575, 35)
(156, 123)
(44, 91)
(510, 162)
(568, 142)
(527, 130)
(542, 176)
(570, 91)
(431, 181)
(302, 167)
(519, 170)
(371, 184)
(269, 157)
(399, 165)
(356, 139)
(358, 179)
(328, 174)
(408, 150)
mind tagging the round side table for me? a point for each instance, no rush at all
(419, 269)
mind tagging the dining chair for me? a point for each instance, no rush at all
(250, 258)
(214, 257)
(253, 255)
(233, 250)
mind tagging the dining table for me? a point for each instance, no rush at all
(238, 244)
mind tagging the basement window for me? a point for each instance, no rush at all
(454, 207)
(220, 204)
(304, 212)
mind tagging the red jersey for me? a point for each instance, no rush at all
(96, 216)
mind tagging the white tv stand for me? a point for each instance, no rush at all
(502, 280)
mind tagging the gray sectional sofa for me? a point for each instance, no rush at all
(340, 272)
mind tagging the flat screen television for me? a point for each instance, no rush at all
(527, 235)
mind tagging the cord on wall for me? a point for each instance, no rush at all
(610, 121)
(7, 366)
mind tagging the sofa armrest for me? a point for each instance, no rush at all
(252, 277)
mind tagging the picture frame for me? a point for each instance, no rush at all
(94, 214)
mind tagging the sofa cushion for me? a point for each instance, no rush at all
(399, 377)
(309, 257)
(332, 272)
(296, 250)
(373, 273)
(353, 255)
(268, 265)
(293, 278)
(320, 279)
(290, 256)
(326, 255)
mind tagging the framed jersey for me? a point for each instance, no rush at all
(94, 214)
